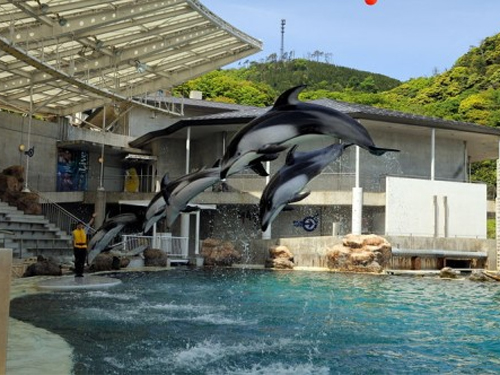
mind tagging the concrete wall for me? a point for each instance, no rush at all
(311, 251)
(453, 244)
(428, 208)
(414, 158)
(42, 167)
(171, 155)
(206, 151)
(240, 222)
(5, 272)
(142, 121)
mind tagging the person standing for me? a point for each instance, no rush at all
(80, 245)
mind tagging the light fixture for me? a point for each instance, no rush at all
(140, 67)
(61, 20)
(98, 43)
(44, 8)
(21, 148)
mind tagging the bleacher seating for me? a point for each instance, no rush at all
(31, 235)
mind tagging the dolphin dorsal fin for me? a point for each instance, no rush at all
(289, 97)
(290, 158)
(164, 181)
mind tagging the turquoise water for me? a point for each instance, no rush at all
(262, 322)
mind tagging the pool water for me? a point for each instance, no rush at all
(262, 322)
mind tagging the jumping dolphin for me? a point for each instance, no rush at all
(107, 232)
(155, 212)
(290, 122)
(156, 208)
(178, 193)
(286, 185)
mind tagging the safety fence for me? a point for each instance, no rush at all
(172, 246)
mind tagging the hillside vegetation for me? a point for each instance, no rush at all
(261, 82)
(469, 91)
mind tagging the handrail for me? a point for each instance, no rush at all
(58, 215)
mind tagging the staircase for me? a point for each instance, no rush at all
(31, 235)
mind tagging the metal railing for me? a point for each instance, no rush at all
(172, 246)
(57, 215)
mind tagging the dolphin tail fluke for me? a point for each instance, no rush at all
(381, 151)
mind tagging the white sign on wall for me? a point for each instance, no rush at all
(435, 208)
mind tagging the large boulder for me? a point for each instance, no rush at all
(448, 273)
(478, 275)
(28, 203)
(154, 258)
(219, 253)
(105, 262)
(43, 267)
(280, 257)
(11, 185)
(360, 253)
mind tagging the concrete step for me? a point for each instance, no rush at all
(31, 235)
(26, 218)
(29, 227)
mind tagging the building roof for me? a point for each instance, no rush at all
(482, 140)
(66, 56)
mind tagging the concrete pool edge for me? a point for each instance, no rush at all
(27, 344)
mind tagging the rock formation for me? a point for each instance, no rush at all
(360, 253)
(448, 273)
(43, 267)
(155, 258)
(108, 262)
(478, 275)
(280, 257)
(11, 185)
(219, 253)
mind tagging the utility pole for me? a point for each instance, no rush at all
(282, 52)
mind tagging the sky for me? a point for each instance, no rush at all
(402, 39)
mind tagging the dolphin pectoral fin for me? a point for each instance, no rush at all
(258, 168)
(289, 97)
(288, 208)
(271, 149)
(191, 209)
(268, 157)
(290, 158)
(300, 196)
(381, 151)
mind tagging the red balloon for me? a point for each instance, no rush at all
(371, 2)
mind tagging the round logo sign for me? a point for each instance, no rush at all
(309, 223)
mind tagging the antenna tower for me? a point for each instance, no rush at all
(282, 52)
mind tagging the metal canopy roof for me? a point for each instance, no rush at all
(61, 57)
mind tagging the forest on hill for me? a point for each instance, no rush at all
(469, 91)
(260, 83)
